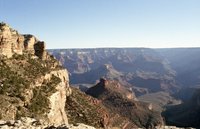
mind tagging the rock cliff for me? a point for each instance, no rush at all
(185, 114)
(11, 42)
(32, 83)
(142, 69)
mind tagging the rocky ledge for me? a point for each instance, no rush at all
(30, 123)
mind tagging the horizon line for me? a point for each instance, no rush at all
(124, 48)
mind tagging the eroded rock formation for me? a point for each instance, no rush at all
(128, 113)
(32, 83)
(12, 42)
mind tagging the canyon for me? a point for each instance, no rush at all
(165, 78)
(111, 88)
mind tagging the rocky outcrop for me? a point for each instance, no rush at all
(32, 83)
(11, 42)
(129, 113)
(30, 123)
(57, 112)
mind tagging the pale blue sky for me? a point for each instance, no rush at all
(106, 23)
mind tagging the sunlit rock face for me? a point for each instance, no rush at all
(11, 42)
(57, 112)
(32, 82)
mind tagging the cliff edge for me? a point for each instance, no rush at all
(32, 82)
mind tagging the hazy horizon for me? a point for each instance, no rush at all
(106, 23)
(127, 48)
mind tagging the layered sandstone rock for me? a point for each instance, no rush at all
(32, 83)
(57, 112)
(12, 42)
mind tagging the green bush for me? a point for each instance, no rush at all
(40, 103)
(18, 73)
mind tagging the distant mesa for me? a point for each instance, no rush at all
(122, 102)
(142, 69)
(103, 81)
